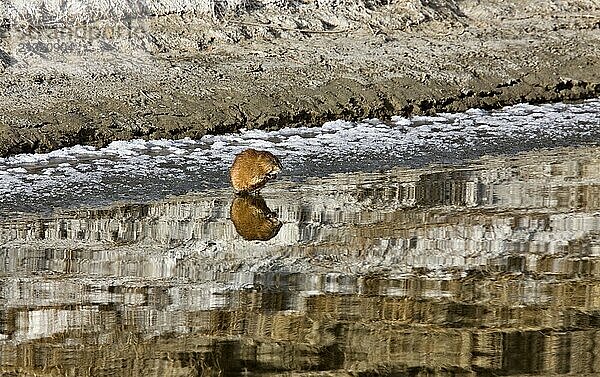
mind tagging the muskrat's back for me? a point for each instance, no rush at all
(252, 169)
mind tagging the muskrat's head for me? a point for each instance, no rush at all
(252, 169)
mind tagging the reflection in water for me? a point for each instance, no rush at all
(252, 219)
(492, 269)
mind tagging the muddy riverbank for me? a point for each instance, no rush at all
(261, 65)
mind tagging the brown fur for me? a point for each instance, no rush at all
(252, 169)
(252, 219)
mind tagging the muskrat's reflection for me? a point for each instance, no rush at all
(252, 219)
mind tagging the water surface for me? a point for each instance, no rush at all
(462, 244)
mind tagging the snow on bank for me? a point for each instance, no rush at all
(67, 13)
(143, 170)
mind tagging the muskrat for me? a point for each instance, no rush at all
(252, 169)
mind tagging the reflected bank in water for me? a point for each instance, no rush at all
(491, 268)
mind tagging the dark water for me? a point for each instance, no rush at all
(485, 266)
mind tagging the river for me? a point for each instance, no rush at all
(458, 244)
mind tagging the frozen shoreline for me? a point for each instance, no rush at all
(185, 75)
(141, 170)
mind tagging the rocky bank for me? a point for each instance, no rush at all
(94, 77)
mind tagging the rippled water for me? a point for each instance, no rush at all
(466, 244)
